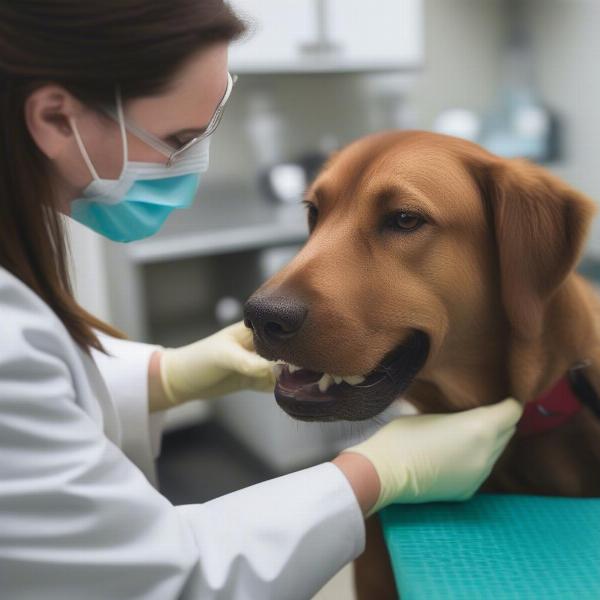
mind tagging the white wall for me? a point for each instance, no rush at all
(567, 57)
(462, 43)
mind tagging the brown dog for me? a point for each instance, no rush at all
(437, 271)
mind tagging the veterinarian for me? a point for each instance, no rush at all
(106, 112)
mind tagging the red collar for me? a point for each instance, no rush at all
(550, 410)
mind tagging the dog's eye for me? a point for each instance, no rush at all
(312, 213)
(404, 221)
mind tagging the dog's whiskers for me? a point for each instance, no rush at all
(360, 386)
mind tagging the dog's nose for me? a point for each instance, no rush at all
(274, 319)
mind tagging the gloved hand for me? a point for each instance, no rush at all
(220, 364)
(423, 458)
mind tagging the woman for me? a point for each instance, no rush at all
(106, 108)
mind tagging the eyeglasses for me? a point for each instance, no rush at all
(163, 147)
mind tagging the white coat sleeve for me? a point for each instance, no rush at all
(125, 371)
(79, 520)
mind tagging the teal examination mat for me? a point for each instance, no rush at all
(496, 547)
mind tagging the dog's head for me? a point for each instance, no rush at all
(424, 251)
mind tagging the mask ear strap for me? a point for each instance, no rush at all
(122, 127)
(80, 144)
(82, 150)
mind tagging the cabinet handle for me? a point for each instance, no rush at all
(322, 44)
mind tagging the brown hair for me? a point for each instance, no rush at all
(88, 47)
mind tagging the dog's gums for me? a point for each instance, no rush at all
(312, 396)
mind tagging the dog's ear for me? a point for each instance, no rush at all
(540, 224)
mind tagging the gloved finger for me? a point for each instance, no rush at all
(263, 384)
(493, 420)
(242, 335)
(505, 414)
(247, 362)
(495, 455)
(504, 438)
(484, 470)
(260, 381)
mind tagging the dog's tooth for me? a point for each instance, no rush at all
(293, 368)
(325, 381)
(277, 369)
(337, 378)
(354, 379)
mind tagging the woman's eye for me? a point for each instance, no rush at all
(177, 141)
(405, 221)
(312, 213)
(173, 141)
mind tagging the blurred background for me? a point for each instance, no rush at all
(519, 77)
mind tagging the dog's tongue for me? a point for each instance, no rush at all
(298, 379)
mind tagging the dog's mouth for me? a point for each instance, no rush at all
(312, 396)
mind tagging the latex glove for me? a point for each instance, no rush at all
(220, 364)
(423, 458)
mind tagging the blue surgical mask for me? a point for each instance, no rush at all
(136, 205)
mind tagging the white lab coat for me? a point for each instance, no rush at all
(79, 518)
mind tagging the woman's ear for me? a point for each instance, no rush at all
(47, 112)
(540, 224)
